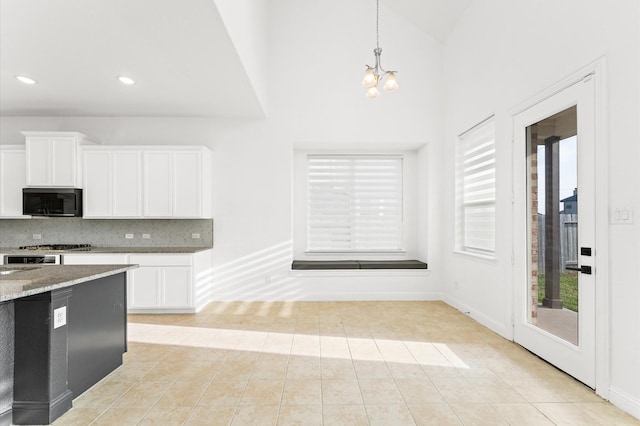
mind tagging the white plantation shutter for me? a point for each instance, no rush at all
(354, 203)
(477, 188)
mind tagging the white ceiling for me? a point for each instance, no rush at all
(76, 49)
(434, 17)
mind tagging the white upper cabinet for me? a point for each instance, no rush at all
(147, 182)
(187, 184)
(53, 159)
(112, 183)
(127, 184)
(12, 180)
(158, 184)
(177, 183)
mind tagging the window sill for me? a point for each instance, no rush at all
(353, 254)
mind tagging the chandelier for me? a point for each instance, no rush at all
(374, 74)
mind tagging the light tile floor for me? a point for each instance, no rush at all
(332, 363)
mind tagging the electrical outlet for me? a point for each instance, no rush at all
(37, 236)
(195, 236)
(146, 236)
(59, 317)
(128, 236)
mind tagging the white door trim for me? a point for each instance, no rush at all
(603, 312)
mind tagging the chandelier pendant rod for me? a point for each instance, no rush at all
(374, 74)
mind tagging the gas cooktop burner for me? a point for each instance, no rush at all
(58, 247)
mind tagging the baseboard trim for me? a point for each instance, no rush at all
(502, 329)
(332, 297)
(41, 412)
(162, 311)
(624, 401)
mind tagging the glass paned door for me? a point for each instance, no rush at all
(554, 229)
(552, 146)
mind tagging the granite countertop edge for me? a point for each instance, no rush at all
(65, 276)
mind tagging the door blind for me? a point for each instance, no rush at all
(354, 203)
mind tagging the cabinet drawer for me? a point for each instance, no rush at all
(161, 259)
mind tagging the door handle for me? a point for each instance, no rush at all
(585, 269)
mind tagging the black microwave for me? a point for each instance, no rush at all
(65, 202)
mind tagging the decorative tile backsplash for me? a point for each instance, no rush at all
(107, 233)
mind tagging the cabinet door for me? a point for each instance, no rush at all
(12, 180)
(127, 199)
(187, 184)
(176, 287)
(63, 161)
(94, 259)
(144, 287)
(158, 195)
(38, 164)
(97, 184)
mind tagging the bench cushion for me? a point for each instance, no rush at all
(357, 264)
(392, 264)
(324, 264)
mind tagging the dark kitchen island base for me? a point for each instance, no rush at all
(66, 340)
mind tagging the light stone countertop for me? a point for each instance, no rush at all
(169, 250)
(101, 250)
(34, 279)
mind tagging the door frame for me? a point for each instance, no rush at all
(601, 172)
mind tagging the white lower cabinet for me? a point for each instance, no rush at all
(163, 283)
(94, 259)
(145, 288)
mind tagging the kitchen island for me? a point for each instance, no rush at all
(62, 329)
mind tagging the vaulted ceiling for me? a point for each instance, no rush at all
(76, 49)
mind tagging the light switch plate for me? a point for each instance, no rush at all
(622, 215)
(128, 236)
(59, 317)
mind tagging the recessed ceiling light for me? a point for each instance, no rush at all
(25, 80)
(126, 80)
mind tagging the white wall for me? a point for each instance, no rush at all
(246, 22)
(500, 55)
(317, 56)
(316, 63)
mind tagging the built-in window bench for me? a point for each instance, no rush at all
(306, 265)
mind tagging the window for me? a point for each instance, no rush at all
(476, 189)
(354, 203)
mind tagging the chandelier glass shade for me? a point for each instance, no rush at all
(374, 74)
